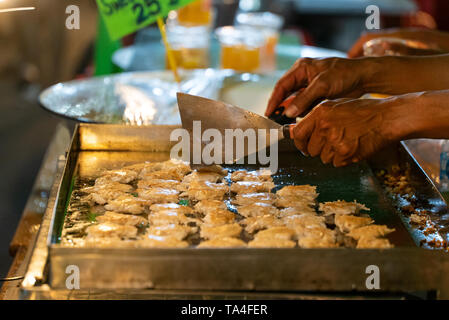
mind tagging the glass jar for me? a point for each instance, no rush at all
(190, 46)
(240, 48)
(197, 13)
(269, 25)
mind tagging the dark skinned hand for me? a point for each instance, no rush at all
(317, 79)
(344, 131)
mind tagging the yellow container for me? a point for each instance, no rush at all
(241, 49)
(198, 13)
(269, 25)
(190, 46)
(240, 58)
(269, 51)
(190, 58)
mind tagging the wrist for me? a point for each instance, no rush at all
(430, 115)
(416, 115)
(401, 117)
(388, 75)
(372, 71)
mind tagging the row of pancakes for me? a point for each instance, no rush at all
(143, 205)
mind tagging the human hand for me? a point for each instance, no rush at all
(345, 131)
(318, 79)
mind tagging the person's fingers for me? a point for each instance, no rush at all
(318, 137)
(346, 152)
(327, 153)
(346, 149)
(302, 132)
(316, 90)
(316, 143)
(291, 81)
(281, 90)
(300, 147)
(340, 161)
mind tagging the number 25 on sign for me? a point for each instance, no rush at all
(123, 17)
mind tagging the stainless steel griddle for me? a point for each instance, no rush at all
(144, 272)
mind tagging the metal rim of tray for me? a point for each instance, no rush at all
(432, 262)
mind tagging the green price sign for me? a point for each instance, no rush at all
(123, 17)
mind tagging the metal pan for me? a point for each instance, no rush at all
(150, 97)
(404, 268)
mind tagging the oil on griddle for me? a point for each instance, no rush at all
(166, 204)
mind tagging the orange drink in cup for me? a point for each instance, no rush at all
(269, 25)
(198, 13)
(241, 49)
(190, 46)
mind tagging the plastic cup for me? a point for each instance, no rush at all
(190, 46)
(198, 13)
(269, 25)
(240, 48)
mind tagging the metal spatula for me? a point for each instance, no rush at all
(221, 116)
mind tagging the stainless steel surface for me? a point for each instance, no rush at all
(217, 115)
(38, 261)
(150, 97)
(426, 197)
(405, 268)
(28, 228)
(100, 140)
(46, 293)
(137, 98)
(427, 153)
(402, 269)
